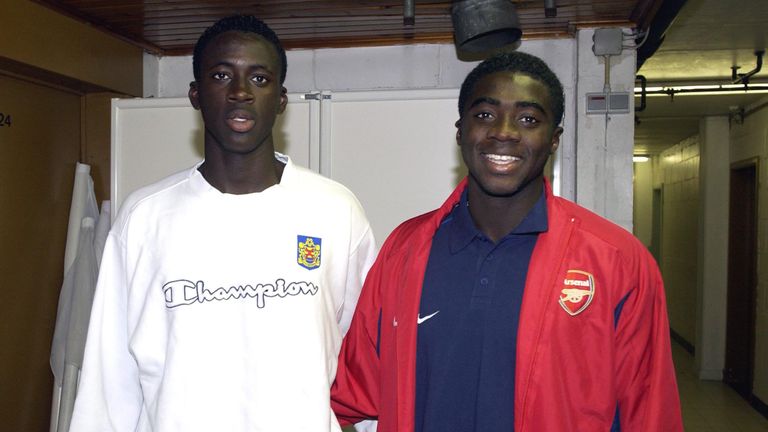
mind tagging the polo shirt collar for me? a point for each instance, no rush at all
(463, 230)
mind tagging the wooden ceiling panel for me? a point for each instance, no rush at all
(171, 27)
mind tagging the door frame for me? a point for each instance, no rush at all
(742, 320)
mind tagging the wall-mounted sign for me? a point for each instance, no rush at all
(5, 120)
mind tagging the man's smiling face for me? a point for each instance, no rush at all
(507, 133)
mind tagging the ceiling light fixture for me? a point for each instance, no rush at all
(484, 25)
(715, 89)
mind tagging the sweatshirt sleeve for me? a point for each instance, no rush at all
(361, 258)
(646, 385)
(109, 397)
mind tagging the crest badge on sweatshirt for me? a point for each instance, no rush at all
(577, 291)
(308, 251)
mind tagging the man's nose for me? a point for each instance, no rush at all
(240, 91)
(505, 129)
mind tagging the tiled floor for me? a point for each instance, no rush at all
(711, 406)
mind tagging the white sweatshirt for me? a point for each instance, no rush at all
(218, 312)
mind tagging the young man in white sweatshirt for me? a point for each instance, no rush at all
(225, 289)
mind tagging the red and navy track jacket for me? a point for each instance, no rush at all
(593, 340)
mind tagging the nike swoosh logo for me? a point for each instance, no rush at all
(420, 320)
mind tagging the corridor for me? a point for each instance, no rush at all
(711, 406)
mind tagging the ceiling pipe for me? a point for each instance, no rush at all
(550, 8)
(643, 83)
(485, 25)
(744, 78)
(409, 12)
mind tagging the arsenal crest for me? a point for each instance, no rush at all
(308, 251)
(577, 291)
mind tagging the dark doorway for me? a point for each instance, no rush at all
(742, 279)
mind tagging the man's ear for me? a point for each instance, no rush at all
(194, 97)
(283, 100)
(458, 131)
(555, 140)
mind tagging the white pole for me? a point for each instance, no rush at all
(69, 390)
(55, 400)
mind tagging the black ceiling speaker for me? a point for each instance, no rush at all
(483, 25)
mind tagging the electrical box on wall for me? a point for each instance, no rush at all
(607, 41)
(598, 103)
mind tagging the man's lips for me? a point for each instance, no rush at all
(240, 121)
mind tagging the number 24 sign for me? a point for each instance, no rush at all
(5, 120)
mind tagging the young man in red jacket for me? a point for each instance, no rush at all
(509, 308)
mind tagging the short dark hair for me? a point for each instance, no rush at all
(239, 23)
(521, 63)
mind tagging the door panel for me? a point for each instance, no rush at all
(742, 280)
(38, 150)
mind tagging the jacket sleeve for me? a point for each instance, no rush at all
(646, 385)
(355, 393)
(109, 397)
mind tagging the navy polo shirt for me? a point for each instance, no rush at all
(467, 323)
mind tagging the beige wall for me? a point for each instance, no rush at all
(679, 178)
(748, 141)
(35, 36)
(642, 205)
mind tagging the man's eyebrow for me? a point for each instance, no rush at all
(484, 99)
(260, 66)
(530, 104)
(230, 64)
(221, 63)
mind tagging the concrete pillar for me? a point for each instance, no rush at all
(712, 278)
(604, 143)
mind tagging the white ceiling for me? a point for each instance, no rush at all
(706, 38)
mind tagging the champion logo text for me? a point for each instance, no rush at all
(185, 292)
